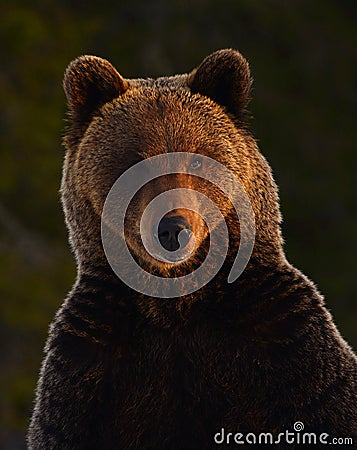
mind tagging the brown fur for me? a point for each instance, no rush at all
(126, 371)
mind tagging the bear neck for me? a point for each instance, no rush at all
(240, 297)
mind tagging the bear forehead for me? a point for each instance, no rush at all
(165, 99)
(159, 126)
(162, 110)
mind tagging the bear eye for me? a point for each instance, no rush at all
(196, 164)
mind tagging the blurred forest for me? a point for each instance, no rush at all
(303, 57)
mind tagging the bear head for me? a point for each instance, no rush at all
(116, 123)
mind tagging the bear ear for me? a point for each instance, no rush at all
(223, 76)
(90, 82)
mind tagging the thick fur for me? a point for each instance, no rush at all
(125, 371)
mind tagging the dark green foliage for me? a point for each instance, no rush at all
(301, 56)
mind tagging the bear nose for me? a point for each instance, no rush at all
(169, 230)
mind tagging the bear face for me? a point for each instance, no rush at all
(116, 123)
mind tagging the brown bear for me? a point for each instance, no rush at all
(258, 360)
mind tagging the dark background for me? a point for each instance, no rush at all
(302, 55)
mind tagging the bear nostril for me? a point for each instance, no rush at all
(173, 233)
